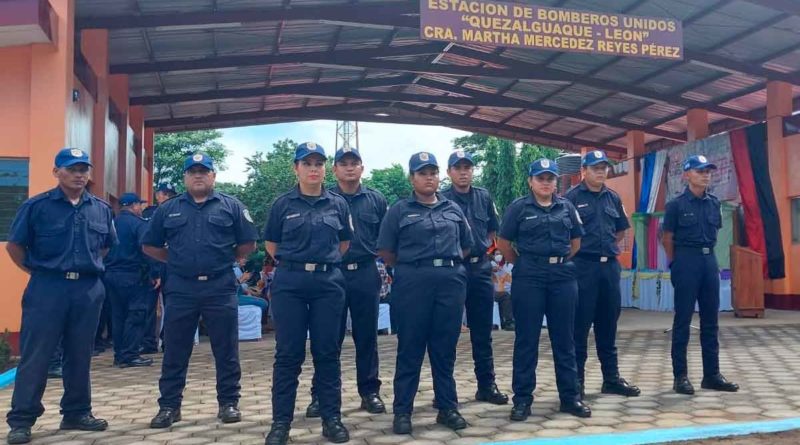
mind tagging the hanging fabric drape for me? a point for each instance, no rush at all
(762, 223)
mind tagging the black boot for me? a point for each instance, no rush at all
(520, 412)
(19, 435)
(372, 403)
(229, 413)
(166, 417)
(84, 423)
(452, 419)
(278, 434)
(718, 383)
(492, 395)
(334, 430)
(576, 408)
(313, 407)
(402, 424)
(620, 386)
(682, 385)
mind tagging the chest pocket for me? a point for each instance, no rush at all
(98, 233)
(687, 219)
(451, 222)
(333, 222)
(49, 239)
(586, 212)
(220, 228)
(292, 230)
(611, 212)
(411, 226)
(532, 226)
(174, 228)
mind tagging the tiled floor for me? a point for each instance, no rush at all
(763, 356)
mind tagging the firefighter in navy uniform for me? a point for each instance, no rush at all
(127, 283)
(363, 282)
(205, 231)
(60, 237)
(163, 192)
(426, 238)
(691, 223)
(308, 230)
(547, 231)
(477, 205)
(598, 271)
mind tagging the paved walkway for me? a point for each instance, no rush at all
(763, 356)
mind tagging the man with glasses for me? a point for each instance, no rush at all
(205, 231)
(60, 238)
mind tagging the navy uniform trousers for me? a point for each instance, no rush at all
(539, 290)
(429, 305)
(128, 294)
(187, 300)
(480, 310)
(306, 303)
(149, 337)
(56, 309)
(362, 287)
(599, 302)
(695, 277)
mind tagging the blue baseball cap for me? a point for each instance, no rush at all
(71, 156)
(420, 160)
(165, 187)
(540, 166)
(342, 152)
(457, 156)
(697, 162)
(595, 157)
(129, 199)
(307, 149)
(198, 159)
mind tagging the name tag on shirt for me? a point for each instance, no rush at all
(172, 215)
(531, 217)
(580, 206)
(293, 215)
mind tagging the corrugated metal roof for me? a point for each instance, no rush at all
(738, 31)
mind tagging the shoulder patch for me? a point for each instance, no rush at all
(247, 216)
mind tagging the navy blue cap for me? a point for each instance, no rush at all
(71, 156)
(540, 166)
(459, 155)
(340, 153)
(166, 187)
(420, 160)
(198, 159)
(129, 199)
(595, 157)
(697, 162)
(307, 149)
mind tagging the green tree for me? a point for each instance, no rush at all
(269, 175)
(391, 181)
(505, 170)
(171, 149)
(230, 188)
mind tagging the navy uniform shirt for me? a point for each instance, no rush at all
(201, 238)
(481, 214)
(127, 255)
(693, 221)
(602, 215)
(149, 211)
(309, 229)
(367, 208)
(61, 237)
(541, 231)
(414, 231)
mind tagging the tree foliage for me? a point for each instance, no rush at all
(391, 181)
(171, 149)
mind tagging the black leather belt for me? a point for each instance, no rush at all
(546, 259)
(433, 262)
(357, 264)
(307, 267)
(204, 276)
(700, 250)
(595, 258)
(72, 276)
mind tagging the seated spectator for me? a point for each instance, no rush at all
(501, 277)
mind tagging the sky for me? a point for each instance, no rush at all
(380, 145)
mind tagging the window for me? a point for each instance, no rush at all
(13, 191)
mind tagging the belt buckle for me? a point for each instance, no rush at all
(72, 275)
(202, 278)
(603, 259)
(438, 262)
(310, 267)
(352, 266)
(706, 250)
(474, 259)
(553, 260)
